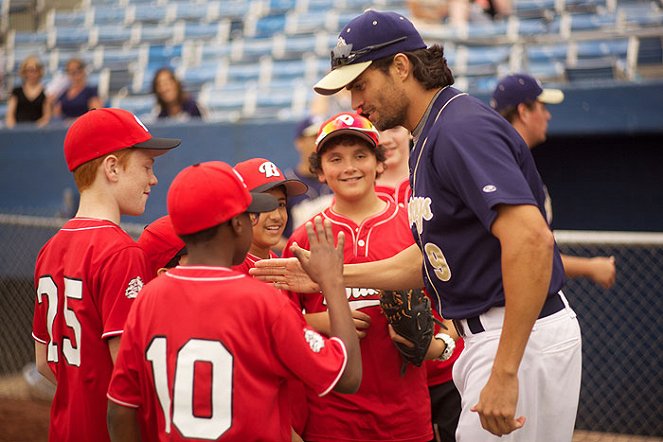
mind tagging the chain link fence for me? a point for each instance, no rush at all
(622, 385)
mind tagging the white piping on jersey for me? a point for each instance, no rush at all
(414, 185)
(208, 278)
(340, 372)
(361, 226)
(77, 229)
(117, 401)
(363, 303)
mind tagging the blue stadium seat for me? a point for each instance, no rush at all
(121, 58)
(191, 11)
(111, 35)
(160, 55)
(154, 34)
(238, 72)
(206, 31)
(288, 46)
(268, 26)
(224, 104)
(281, 6)
(650, 51)
(248, 49)
(214, 51)
(532, 27)
(107, 15)
(533, 8)
(140, 105)
(195, 77)
(546, 53)
(310, 22)
(602, 48)
(149, 13)
(78, 18)
(288, 69)
(65, 37)
(487, 29)
(233, 8)
(19, 38)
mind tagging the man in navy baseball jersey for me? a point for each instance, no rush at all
(477, 213)
(522, 101)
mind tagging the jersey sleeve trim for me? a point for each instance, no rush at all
(119, 402)
(342, 369)
(112, 334)
(41, 341)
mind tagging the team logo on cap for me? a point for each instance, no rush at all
(342, 49)
(135, 286)
(269, 169)
(314, 340)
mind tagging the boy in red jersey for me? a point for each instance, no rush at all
(387, 406)
(207, 349)
(89, 273)
(162, 247)
(261, 175)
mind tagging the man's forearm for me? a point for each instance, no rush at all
(401, 271)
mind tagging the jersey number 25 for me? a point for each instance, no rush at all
(73, 289)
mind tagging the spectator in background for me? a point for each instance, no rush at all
(172, 100)
(522, 101)
(319, 195)
(28, 102)
(79, 97)
(458, 12)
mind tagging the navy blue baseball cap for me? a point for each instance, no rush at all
(369, 36)
(522, 88)
(308, 127)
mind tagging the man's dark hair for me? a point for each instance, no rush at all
(314, 162)
(511, 112)
(429, 66)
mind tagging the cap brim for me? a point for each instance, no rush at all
(292, 187)
(336, 133)
(158, 143)
(262, 202)
(551, 96)
(340, 77)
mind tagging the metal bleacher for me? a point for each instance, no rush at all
(249, 57)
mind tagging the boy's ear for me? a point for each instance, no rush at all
(321, 177)
(380, 168)
(236, 225)
(110, 166)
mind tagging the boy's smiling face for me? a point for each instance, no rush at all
(269, 226)
(350, 169)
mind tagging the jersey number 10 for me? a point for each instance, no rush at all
(183, 417)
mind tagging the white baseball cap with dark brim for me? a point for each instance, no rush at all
(370, 36)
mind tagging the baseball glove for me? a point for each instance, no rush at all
(409, 313)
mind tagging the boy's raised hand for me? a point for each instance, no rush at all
(324, 263)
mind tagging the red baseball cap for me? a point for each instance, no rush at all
(347, 123)
(160, 244)
(100, 132)
(207, 194)
(261, 175)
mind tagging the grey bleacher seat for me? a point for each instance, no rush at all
(110, 14)
(116, 80)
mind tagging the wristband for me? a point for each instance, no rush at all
(450, 346)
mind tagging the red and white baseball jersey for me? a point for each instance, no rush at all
(250, 262)
(399, 194)
(87, 277)
(207, 350)
(387, 406)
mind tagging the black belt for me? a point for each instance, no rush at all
(552, 305)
